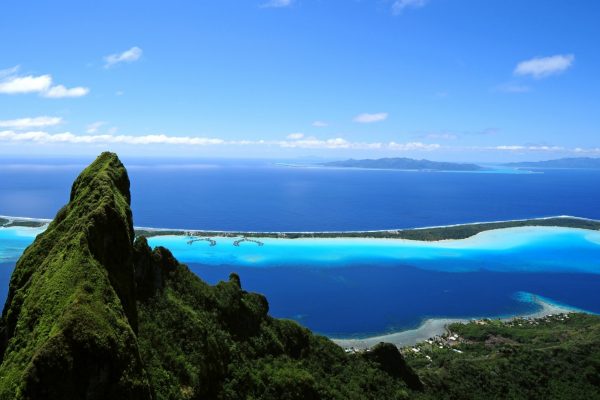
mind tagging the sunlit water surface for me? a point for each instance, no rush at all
(361, 287)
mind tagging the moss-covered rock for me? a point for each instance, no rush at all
(68, 326)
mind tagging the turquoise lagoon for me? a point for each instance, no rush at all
(547, 249)
(362, 287)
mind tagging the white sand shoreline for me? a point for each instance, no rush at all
(438, 326)
(371, 231)
(152, 229)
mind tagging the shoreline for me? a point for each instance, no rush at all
(435, 327)
(428, 328)
(426, 233)
(370, 231)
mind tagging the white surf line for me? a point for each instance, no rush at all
(372, 231)
(12, 219)
(152, 229)
(438, 326)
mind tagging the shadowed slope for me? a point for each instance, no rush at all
(218, 342)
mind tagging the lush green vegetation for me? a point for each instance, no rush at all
(465, 231)
(555, 357)
(3, 221)
(68, 326)
(202, 341)
(425, 234)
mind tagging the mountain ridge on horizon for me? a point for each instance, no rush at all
(404, 163)
(565, 162)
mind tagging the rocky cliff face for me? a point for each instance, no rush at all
(92, 315)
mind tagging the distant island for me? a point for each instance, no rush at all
(572, 162)
(405, 164)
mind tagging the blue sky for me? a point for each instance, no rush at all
(441, 79)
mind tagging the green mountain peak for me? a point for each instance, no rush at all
(68, 326)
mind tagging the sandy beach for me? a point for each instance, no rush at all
(437, 326)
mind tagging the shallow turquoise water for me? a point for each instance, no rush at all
(361, 287)
(529, 249)
(14, 240)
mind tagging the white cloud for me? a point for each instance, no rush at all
(595, 150)
(511, 147)
(334, 143)
(413, 146)
(28, 123)
(295, 136)
(25, 84)
(9, 71)
(531, 148)
(59, 92)
(320, 124)
(94, 126)
(341, 143)
(369, 118)
(277, 3)
(68, 137)
(442, 135)
(111, 138)
(42, 137)
(128, 56)
(317, 143)
(400, 5)
(42, 84)
(545, 66)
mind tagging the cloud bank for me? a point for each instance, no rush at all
(29, 123)
(295, 141)
(292, 141)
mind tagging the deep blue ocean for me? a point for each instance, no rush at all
(261, 196)
(345, 288)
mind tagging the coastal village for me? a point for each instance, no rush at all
(454, 342)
